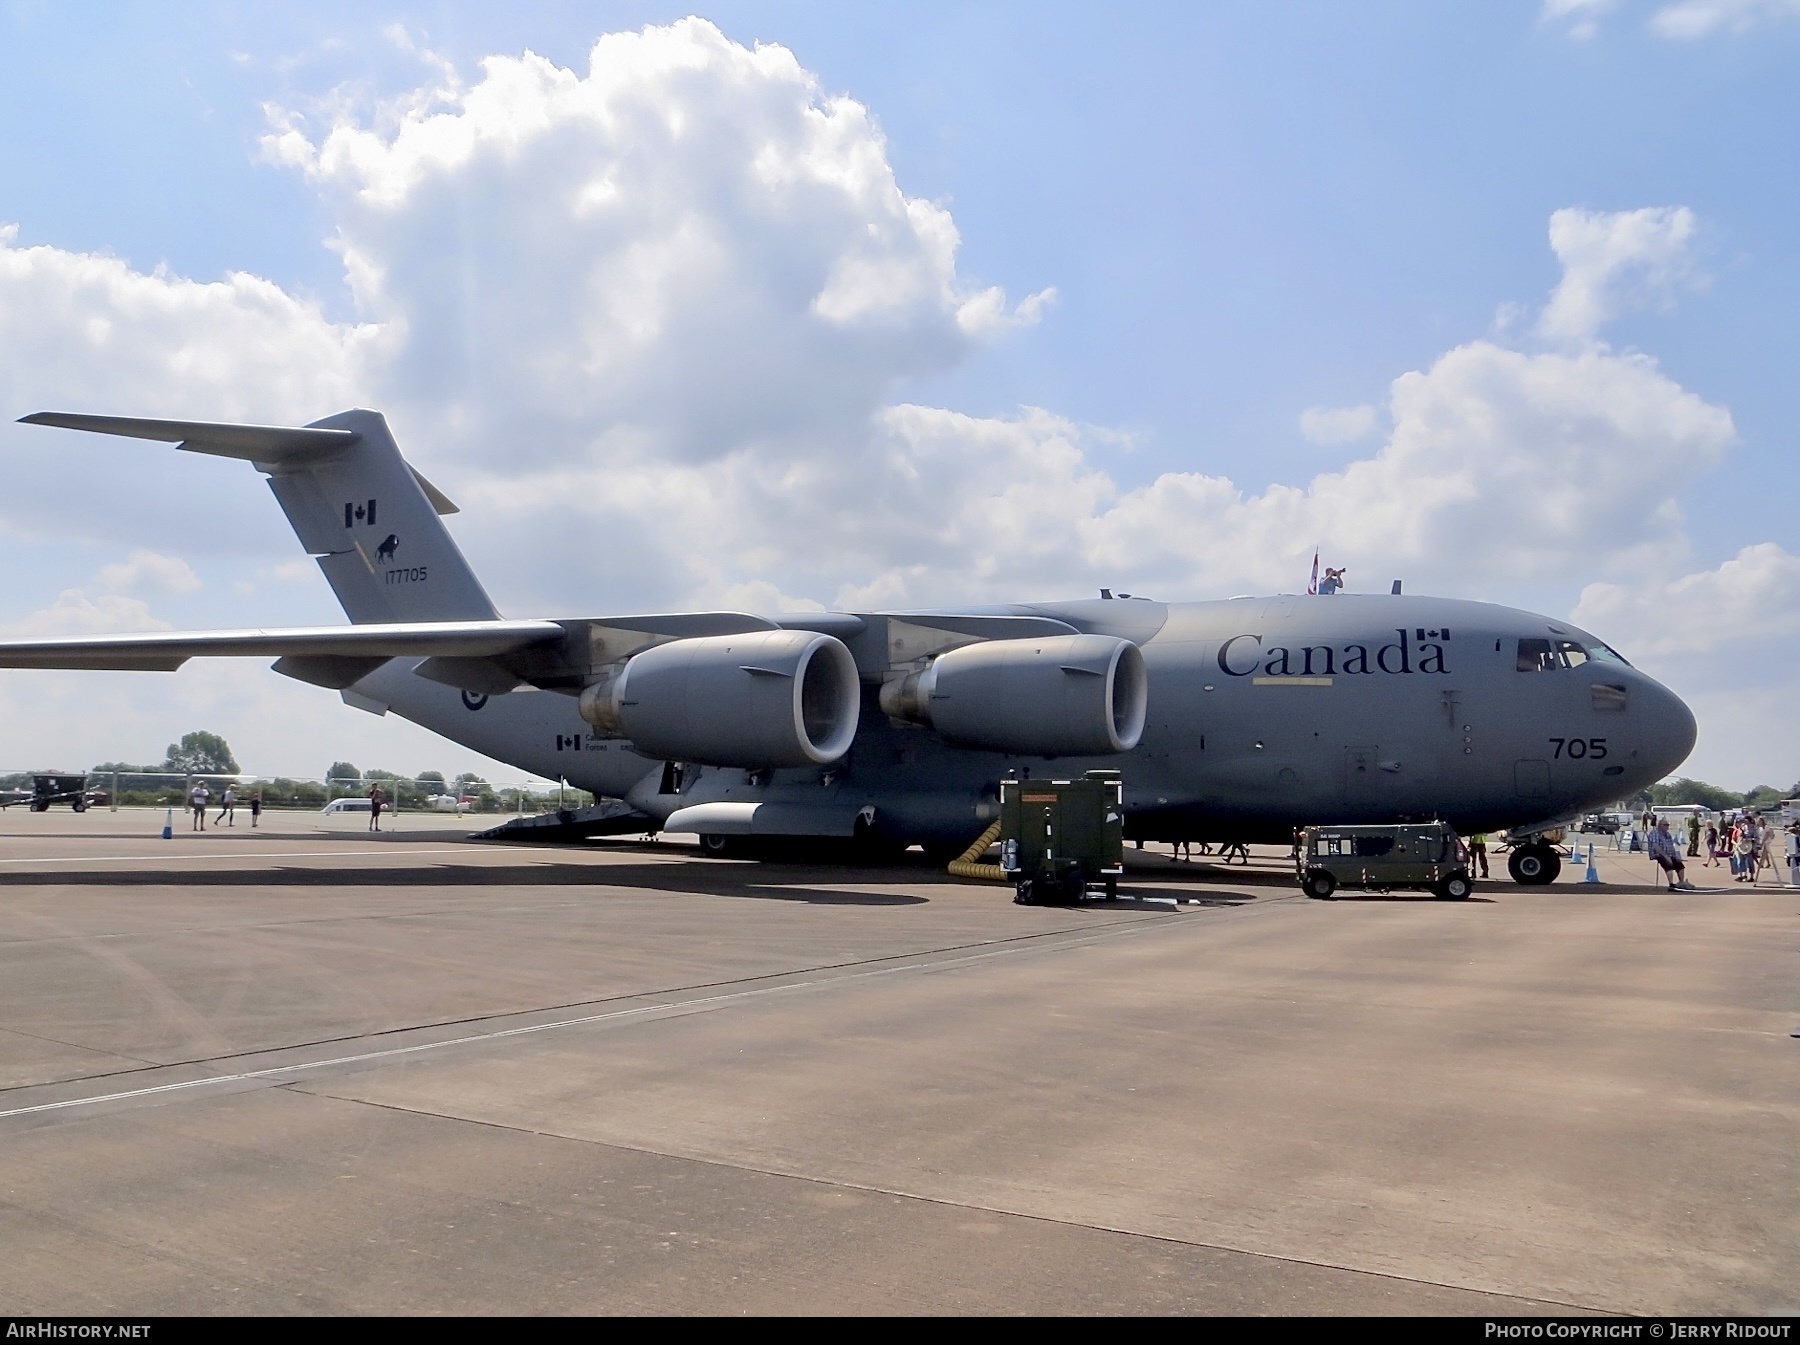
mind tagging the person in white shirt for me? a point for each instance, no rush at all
(197, 799)
(227, 807)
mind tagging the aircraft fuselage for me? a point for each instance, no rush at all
(1264, 714)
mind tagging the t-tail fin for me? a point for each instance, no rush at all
(367, 516)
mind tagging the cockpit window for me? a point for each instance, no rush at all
(1562, 652)
(1536, 656)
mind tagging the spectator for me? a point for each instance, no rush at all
(255, 807)
(375, 803)
(1666, 853)
(1693, 835)
(227, 807)
(1744, 846)
(197, 798)
(1712, 846)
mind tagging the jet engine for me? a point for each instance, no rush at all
(1066, 696)
(758, 700)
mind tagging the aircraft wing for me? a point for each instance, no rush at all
(164, 651)
(489, 656)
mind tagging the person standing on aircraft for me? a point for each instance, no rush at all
(227, 807)
(375, 802)
(197, 798)
(1478, 852)
(255, 807)
(1332, 582)
(1666, 853)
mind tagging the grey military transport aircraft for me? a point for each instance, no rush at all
(1236, 719)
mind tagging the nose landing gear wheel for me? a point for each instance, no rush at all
(1534, 865)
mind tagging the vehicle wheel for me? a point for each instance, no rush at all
(1074, 887)
(715, 845)
(40, 807)
(1320, 885)
(1112, 889)
(1456, 887)
(1534, 865)
(80, 805)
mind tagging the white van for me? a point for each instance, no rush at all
(350, 805)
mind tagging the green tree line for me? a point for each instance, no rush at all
(1719, 799)
(207, 756)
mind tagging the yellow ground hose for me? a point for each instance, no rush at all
(966, 867)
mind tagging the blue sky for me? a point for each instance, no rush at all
(1244, 212)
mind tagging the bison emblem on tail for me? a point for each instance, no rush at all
(385, 552)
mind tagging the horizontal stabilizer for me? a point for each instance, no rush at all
(253, 443)
(272, 444)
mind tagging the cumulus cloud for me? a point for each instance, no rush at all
(1689, 19)
(107, 603)
(686, 249)
(1614, 262)
(147, 571)
(88, 330)
(1337, 424)
(1457, 488)
(1582, 16)
(1751, 599)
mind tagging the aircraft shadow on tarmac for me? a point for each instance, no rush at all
(705, 879)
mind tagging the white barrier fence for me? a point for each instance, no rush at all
(164, 789)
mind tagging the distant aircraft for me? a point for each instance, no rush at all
(1237, 719)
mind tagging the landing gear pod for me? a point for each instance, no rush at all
(1065, 696)
(759, 700)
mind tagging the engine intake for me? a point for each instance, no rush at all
(759, 700)
(1066, 696)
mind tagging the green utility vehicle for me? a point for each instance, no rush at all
(1058, 837)
(1423, 855)
(54, 787)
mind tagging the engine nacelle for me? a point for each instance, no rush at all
(758, 700)
(1066, 696)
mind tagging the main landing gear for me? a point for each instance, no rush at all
(1534, 864)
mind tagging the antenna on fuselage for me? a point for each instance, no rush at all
(1395, 590)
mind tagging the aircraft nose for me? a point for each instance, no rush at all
(1668, 729)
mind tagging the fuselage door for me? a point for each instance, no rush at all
(1361, 777)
